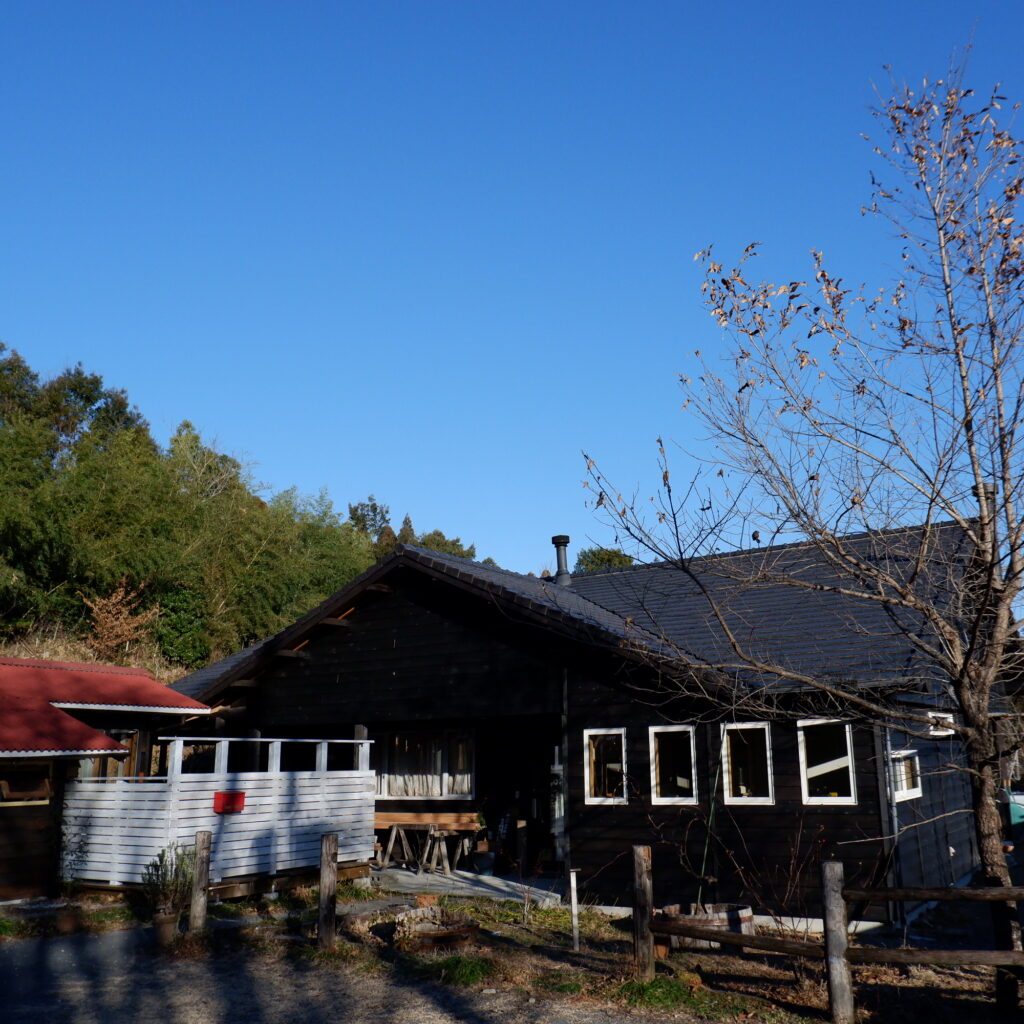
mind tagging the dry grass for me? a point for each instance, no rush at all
(535, 956)
(56, 644)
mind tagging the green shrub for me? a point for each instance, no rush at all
(167, 879)
(662, 992)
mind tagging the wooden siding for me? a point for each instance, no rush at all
(115, 827)
(29, 831)
(936, 844)
(424, 654)
(28, 840)
(419, 651)
(762, 854)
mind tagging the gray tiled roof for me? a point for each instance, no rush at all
(198, 681)
(543, 594)
(663, 611)
(789, 615)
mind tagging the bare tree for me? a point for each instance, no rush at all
(117, 623)
(838, 412)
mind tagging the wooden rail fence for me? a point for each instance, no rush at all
(328, 909)
(835, 949)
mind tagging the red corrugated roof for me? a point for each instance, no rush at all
(29, 690)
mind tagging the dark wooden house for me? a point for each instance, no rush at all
(574, 713)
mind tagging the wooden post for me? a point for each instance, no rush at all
(328, 889)
(643, 906)
(840, 983)
(574, 906)
(200, 884)
(362, 758)
(1004, 924)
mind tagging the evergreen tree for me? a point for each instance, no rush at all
(407, 535)
(597, 558)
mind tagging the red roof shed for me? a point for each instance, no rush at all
(37, 696)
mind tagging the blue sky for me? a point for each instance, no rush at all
(432, 251)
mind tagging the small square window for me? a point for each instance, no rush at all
(604, 766)
(747, 763)
(906, 775)
(826, 762)
(673, 764)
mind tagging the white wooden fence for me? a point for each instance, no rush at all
(113, 827)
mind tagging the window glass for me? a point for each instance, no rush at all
(424, 764)
(415, 765)
(606, 765)
(906, 774)
(827, 761)
(748, 768)
(460, 767)
(672, 764)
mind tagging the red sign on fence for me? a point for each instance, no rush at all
(228, 803)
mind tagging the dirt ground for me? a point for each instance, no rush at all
(247, 987)
(265, 973)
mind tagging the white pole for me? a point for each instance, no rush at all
(575, 909)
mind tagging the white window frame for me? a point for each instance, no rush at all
(654, 731)
(587, 797)
(748, 801)
(851, 765)
(898, 795)
(383, 742)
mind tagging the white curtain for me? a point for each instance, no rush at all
(420, 765)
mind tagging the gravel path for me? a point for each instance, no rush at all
(99, 979)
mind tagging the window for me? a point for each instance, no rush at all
(906, 775)
(826, 762)
(747, 763)
(425, 765)
(673, 764)
(604, 766)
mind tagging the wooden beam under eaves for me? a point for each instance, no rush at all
(335, 622)
(284, 653)
(384, 588)
(244, 684)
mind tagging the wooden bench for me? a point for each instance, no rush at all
(437, 826)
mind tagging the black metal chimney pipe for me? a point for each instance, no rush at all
(562, 577)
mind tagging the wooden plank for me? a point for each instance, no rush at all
(954, 957)
(667, 926)
(331, 621)
(452, 820)
(855, 954)
(235, 887)
(992, 893)
(285, 653)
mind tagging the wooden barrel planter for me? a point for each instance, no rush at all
(733, 917)
(165, 928)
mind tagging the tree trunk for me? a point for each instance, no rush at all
(983, 760)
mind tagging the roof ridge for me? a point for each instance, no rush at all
(765, 548)
(555, 591)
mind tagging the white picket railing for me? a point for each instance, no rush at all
(113, 827)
